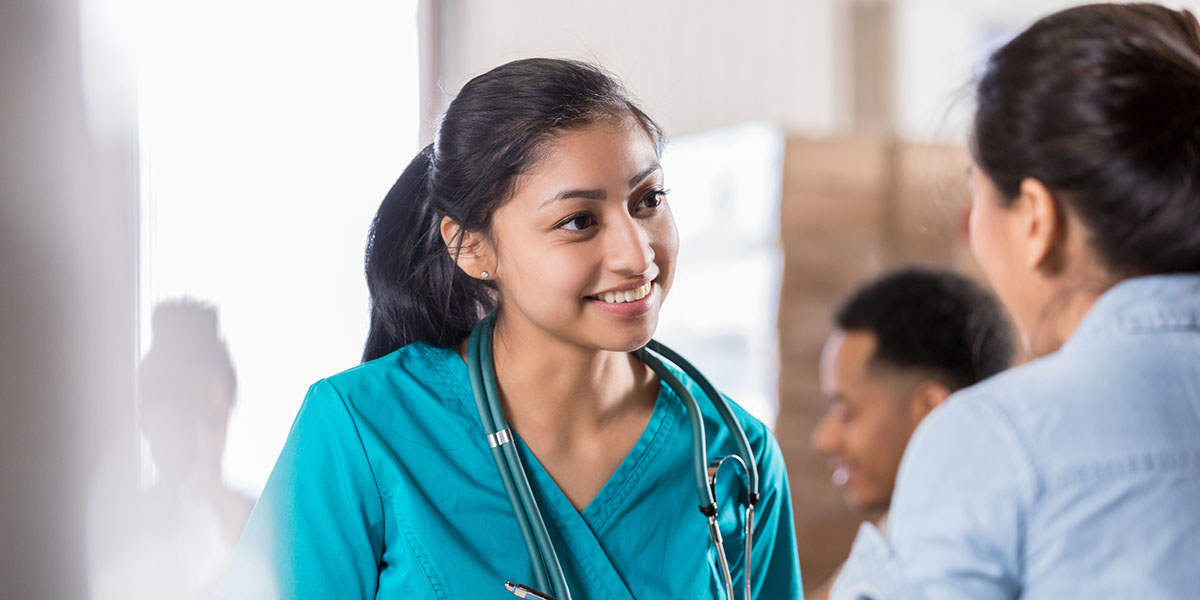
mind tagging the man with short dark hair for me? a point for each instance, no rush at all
(902, 344)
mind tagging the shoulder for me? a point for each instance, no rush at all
(757, 432)
(401, 393)
(1022, 405)
(969, 421)
(969, 448)
(415, 370)
(417, 361)
(1096, 400)
(963, 494)
(978, 425)
(760, 436)
(762, 441)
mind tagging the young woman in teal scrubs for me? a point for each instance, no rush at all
(542, 198)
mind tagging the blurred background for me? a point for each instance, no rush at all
(186, 189)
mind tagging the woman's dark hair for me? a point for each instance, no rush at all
(494, 130)
(1101, 103)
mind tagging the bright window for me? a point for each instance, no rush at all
(270, 132)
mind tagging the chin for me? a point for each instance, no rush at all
(627, 343)
(864, 504)
(624, 334)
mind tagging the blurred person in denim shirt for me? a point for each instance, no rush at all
(1076, 475)
(903, 342)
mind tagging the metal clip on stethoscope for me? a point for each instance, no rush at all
(547, 569)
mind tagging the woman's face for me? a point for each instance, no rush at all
(585, 249)
(993, 230)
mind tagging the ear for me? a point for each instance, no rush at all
(1041, 224)
(469, 249)
(928, 395)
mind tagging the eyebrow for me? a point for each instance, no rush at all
(599, 194)
(636, 179)
(834, 398)
(596, 194)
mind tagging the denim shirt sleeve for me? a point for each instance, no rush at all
(957, 517)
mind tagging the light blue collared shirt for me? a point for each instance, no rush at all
(1074, 476)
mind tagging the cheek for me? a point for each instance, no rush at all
(975, 231)
(544, 276)
(878, 440)
(988, 242)
(665, 242)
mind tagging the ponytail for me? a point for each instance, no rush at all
(418, 293)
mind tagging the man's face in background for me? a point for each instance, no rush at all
(871, 412)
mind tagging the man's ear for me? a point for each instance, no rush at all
(469, 249)
(1042, 225)
(928, 395)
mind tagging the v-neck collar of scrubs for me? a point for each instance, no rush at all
(627, 474)
(600, 508)
(583, 531)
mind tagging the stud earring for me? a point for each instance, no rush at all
(484, 274)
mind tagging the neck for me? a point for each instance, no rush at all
(1059, 318)
(559, 390)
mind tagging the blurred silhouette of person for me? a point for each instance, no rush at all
(902, 344)
(178, 535)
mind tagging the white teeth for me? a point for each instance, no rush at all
(627, 295)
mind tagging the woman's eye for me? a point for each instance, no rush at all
(577, 222)
(654, 198)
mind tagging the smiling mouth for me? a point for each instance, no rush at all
(624, 296)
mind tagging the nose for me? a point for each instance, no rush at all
(628, 248)
(825, 437)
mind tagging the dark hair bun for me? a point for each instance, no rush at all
(1101, 103)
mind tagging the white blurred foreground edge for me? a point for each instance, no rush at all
(68, 289)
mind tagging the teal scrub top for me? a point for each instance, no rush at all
(386, 488)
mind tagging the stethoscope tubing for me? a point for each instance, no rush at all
(731, 423)
(699, 441)
(548, 570)
(506, 477)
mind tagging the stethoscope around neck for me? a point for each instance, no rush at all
(548, 572)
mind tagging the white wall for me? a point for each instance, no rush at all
(941, 46)
(696, 65)
(700, 65)
(264, 160)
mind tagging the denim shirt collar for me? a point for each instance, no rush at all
(1148, 303)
